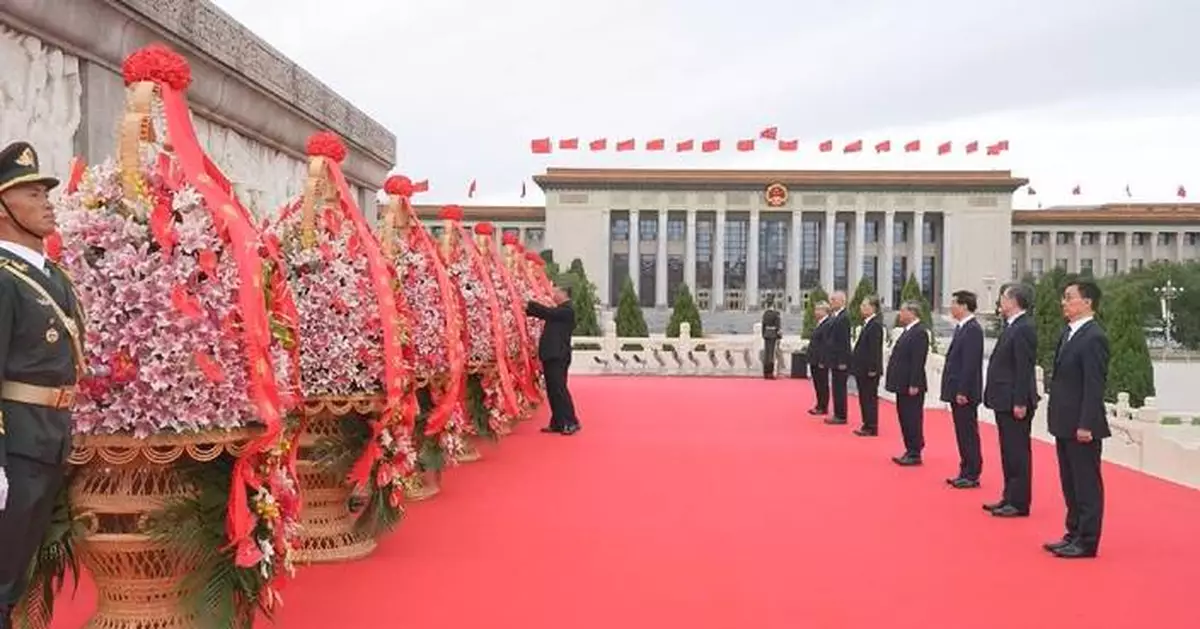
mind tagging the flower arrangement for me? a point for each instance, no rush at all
(190, 332)
(512, 303)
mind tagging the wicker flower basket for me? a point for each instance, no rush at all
(329, 532)
(121, 482)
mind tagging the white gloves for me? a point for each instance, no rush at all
(3, 489)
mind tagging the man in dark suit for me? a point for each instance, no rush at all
(1011, 393)
(554, 350)
(906, 378)
(771, 332)
(839, 356)
(962, 387)
(1078, 419)
(818, 359)
(41, 359)
(868, 365)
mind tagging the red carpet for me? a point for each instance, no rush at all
(717, 503)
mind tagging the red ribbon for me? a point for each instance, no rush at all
(499, 341)
(517, 305)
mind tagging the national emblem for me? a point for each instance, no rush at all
(776, 195)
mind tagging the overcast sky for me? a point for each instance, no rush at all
(1099, 93)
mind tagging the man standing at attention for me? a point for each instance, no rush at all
(41, 359)
(868, 365)
(770, 334)
(962, 387)
(1078, 419)
(906, 378)
(818, 358)
(839, 355)
(554, 350)
(1011, 393)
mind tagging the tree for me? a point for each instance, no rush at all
(1047, 314)
(1129, 367)
(912, 292)
(583, 295)
(552, 270)
(864, 289)
(684, 309)
(815, 296)
(630, 321)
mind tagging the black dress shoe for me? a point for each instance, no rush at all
(992, 506)
(551, 429)
(907, 460)
(817, 412)
(1074, 550)
(1051, 547)
(570, 430)
(866, 432)
(964, 483)
(836, 421)
(1009, 511)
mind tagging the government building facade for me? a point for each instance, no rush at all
(741, 238)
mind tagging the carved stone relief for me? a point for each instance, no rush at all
(40, 99)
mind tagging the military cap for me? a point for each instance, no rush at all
(19, 166)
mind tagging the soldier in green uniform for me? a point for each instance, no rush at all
(41, 359)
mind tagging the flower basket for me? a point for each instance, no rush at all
(185, 476)
(436, 345)
(512, 303)
(352, 324)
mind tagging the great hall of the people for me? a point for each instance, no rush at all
(739, 238)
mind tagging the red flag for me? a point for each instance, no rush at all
(770, 133)
(1003, 144)
(522, 189)
(568, 144)
(540, 145)
(1076, 190)
(745, 145)
(884, 147)
(853, 147)
(421, 186)
(1181, 192)
(826, 146)
(471, 190)
(710, 146)
(994, 149)
(945, 147)
(598, 145)
(656, 145)
(972, 146)
(76, 176)
(789, 145)
(685, 146)
(913, 147)
(626, 145)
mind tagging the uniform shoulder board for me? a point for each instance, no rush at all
(20, 267)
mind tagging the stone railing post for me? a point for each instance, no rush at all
(685, 338)
(1149, 413)
(758, 345)
(610, 337)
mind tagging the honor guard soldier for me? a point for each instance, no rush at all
(41, 359)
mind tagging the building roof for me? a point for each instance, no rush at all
(1112, 213)
(692, 179)
(499, 213)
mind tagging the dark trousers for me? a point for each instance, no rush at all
(562, 407)
(769, 358)
(966, 433)
(911, 409)
(820, 380)
(1083, 489)
(839, 378)
(1016, 458)
(33, 489)
(868, 402)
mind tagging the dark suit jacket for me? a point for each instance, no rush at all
(27, 355)
(771, 324)
(963, 374)
(1011, 373)
(1077, 384)
(906, 365)
(868, 350)
(818, 344)
(555, 343)
(839, 340)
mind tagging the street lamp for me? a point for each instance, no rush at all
(1167, 294)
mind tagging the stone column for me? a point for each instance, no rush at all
(827, 251)
(718, 287)
(1153, 248)
(918, 248)
(752, 262)
(1103, 270)
(860, 243)
(1052, 245)
(689, 264)
(1028, 268)
(661, 298)
(948, 222)
(889, 258)
(1128, 240)
(635, 252)
(793, 257)
(1078, 236)
(1179, 238)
